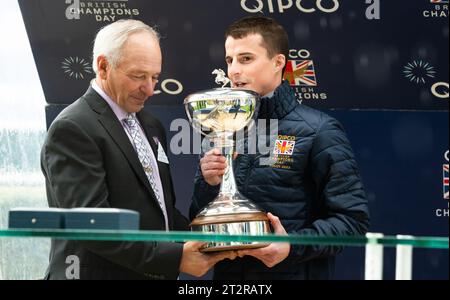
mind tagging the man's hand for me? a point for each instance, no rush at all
(195, 263)
(275, 252)
(213, 166)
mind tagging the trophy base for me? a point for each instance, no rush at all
(217, 247)
(237, 224)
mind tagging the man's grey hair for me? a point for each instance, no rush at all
(111, 39)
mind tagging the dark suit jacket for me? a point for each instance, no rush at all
(89, 161)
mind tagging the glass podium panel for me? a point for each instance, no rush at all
(24, 253)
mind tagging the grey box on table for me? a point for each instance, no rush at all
(76, 218)
(102, 218)
(36, 218)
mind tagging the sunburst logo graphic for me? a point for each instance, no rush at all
(419, 71)
(76, 67)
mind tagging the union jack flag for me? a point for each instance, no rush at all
(300, 73)
(445, 181)
(283, 147)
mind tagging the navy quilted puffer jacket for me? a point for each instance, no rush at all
(314, 188)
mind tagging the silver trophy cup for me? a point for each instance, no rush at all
(218, 114)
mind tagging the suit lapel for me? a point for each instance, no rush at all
(112, 125)
(151, 133)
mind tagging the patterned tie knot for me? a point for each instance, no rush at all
(130, 120)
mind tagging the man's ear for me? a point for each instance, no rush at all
(280, 62)
(102, 67)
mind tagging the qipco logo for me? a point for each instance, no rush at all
(299, 54)
(170, 86)
(440, 90)
(256, 6)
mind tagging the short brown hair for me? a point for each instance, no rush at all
(275, 38)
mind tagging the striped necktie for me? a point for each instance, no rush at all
(144, 155)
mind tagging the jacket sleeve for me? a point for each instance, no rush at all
(203, 194)
(73, 165)
(342, 208)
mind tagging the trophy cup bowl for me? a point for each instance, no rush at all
(218, 114)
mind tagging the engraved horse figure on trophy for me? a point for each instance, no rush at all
(221, 78)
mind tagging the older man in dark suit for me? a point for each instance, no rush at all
(104, 151)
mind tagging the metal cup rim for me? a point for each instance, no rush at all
(229, 90)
